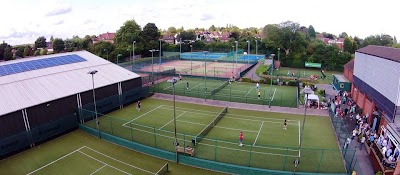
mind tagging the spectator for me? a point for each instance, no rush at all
(362, 141)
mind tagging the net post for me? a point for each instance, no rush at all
(155, 137)
(320, 160)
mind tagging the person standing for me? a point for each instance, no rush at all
(259, 94)
(139, 104)
(285, 124)
(187, 85)
(241, 139)
(362, 142)
(257, 85)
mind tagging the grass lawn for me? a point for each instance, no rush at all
(81, 153)
(236, 92)
(267, 145)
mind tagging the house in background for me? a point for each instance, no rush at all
(339, 42)
(108, 37)
(225, 37)
(168, 38)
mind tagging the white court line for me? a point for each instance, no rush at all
(141, 115)
(299, 137)
(210, 113)
(249, 91)
(273, 95)
(171, 121)
(195, 86)
(265, 153)
(56, 160)
(173, 85)
(119, 160)
(104, 163)
(254, 144)
(98, 169)
(215, 126)
(299, 132)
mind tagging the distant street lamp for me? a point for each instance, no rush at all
(180, 45)
(105, 50)
(248, 52)
(191, 58)
(205, 75)
(133, 52)
(233, 61)
(270, 77)
(152, 62)
(94, 102)
(257, 49)
(119, 55)
(160, 50)
(236, 55)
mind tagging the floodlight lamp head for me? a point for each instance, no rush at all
(93, 72)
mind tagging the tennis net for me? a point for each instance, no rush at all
(214, 91)
(207, 129)
(163, 170)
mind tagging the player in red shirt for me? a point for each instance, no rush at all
(241, 139)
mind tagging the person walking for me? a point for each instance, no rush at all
(257, 85)
(285, 124)
(241, 139)
(259, 94)
(139, 104)
(187, 85)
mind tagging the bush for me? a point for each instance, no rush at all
(246, 79)
(292, 83)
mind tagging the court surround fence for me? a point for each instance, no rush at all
(211, 153)
(343, 135)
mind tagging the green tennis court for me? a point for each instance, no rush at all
(234, 92)
(81, 153)
(266, 144)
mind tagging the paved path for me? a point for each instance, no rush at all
(252, 72)
(300, 110)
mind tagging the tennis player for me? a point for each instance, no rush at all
(241, 139)
(139, 104)
(285, 124)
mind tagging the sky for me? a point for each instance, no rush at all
(23, 21)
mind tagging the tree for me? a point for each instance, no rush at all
(36, 53)
(348, 45)
(40, 42)
(43, 51)
(187, 35)
(130, 31)
(311, 31)
(150, 34)
(212, 28)
(58, 45)
(27, 51)
(20, 52)
(7, 53)
(104, 49)
(358, 41)
(3, 46)
(171, 30)
(343, 35)
(86, 42)
(51, 39)
(355, 46)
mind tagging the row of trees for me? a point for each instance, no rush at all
(297, 43)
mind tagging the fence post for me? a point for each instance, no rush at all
(251, 149)
(112, 133)
(284, 163)
(155, 137)
(215, 146)
(131, 132)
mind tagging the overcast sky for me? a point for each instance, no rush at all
(25, 20)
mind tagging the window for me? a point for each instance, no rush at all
(341, 85)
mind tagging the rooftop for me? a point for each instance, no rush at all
(382, 52)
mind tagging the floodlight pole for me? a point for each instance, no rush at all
(248, 52)
(257, 49)
(270, 77)
(205, 75)
(307, 91)
(236, 55)
(191, 59)
(133, 52)
(152, 62)
(233, 61)
(160, 51)
(176, 139)
(180, 46)
(94, 102)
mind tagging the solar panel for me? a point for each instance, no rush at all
(39, 64)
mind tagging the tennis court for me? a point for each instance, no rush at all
(235, 92)
(216, 131)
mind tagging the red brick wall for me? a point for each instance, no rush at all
(368, 107)
(382, 123)
(360, 100)
(350, 77)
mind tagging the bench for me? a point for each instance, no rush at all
(189, 151)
